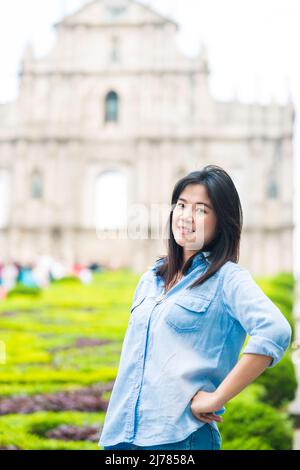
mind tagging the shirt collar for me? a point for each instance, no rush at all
(199, 259)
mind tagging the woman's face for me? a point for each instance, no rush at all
(194, 219)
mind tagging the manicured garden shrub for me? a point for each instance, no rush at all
(26, 431)
(286, 280)
(280, 382)
(24, 290)
(255, 425)
(67, 280)
(251, 443)
(280, 289)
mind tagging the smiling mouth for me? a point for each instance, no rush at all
(186, 230)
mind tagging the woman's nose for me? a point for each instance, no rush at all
(187, 220)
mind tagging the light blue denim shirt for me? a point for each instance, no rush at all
(185, 341)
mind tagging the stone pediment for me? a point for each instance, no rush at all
(108, 12)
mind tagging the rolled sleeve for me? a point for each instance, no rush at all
(269, 331)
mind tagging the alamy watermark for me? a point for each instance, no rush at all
(144, 222)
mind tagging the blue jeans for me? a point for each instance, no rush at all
(204, 438)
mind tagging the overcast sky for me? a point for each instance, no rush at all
(252, 47)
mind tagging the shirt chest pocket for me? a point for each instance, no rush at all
(188, 313)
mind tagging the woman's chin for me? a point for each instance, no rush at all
(184, 241)
(189, 243)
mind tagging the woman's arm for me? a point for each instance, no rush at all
(248, 368)
(245, 302)
(269, 337)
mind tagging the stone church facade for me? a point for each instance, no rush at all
(112, 117)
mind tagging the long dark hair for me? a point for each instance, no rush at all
(225, 246)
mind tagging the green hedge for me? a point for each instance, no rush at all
(253, 425)
(67, 280)
(20, 290)
(280, 382)
(26, 431)
(285, 280)
(280, 289)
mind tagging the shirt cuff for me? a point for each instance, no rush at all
(261, 345)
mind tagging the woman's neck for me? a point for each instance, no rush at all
(187, 255)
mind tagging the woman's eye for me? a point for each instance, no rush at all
(199, 209)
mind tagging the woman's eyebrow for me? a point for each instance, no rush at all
(204, 203)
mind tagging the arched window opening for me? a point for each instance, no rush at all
(111, 107)
(110, 201)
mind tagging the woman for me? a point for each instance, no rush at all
(189, 319)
